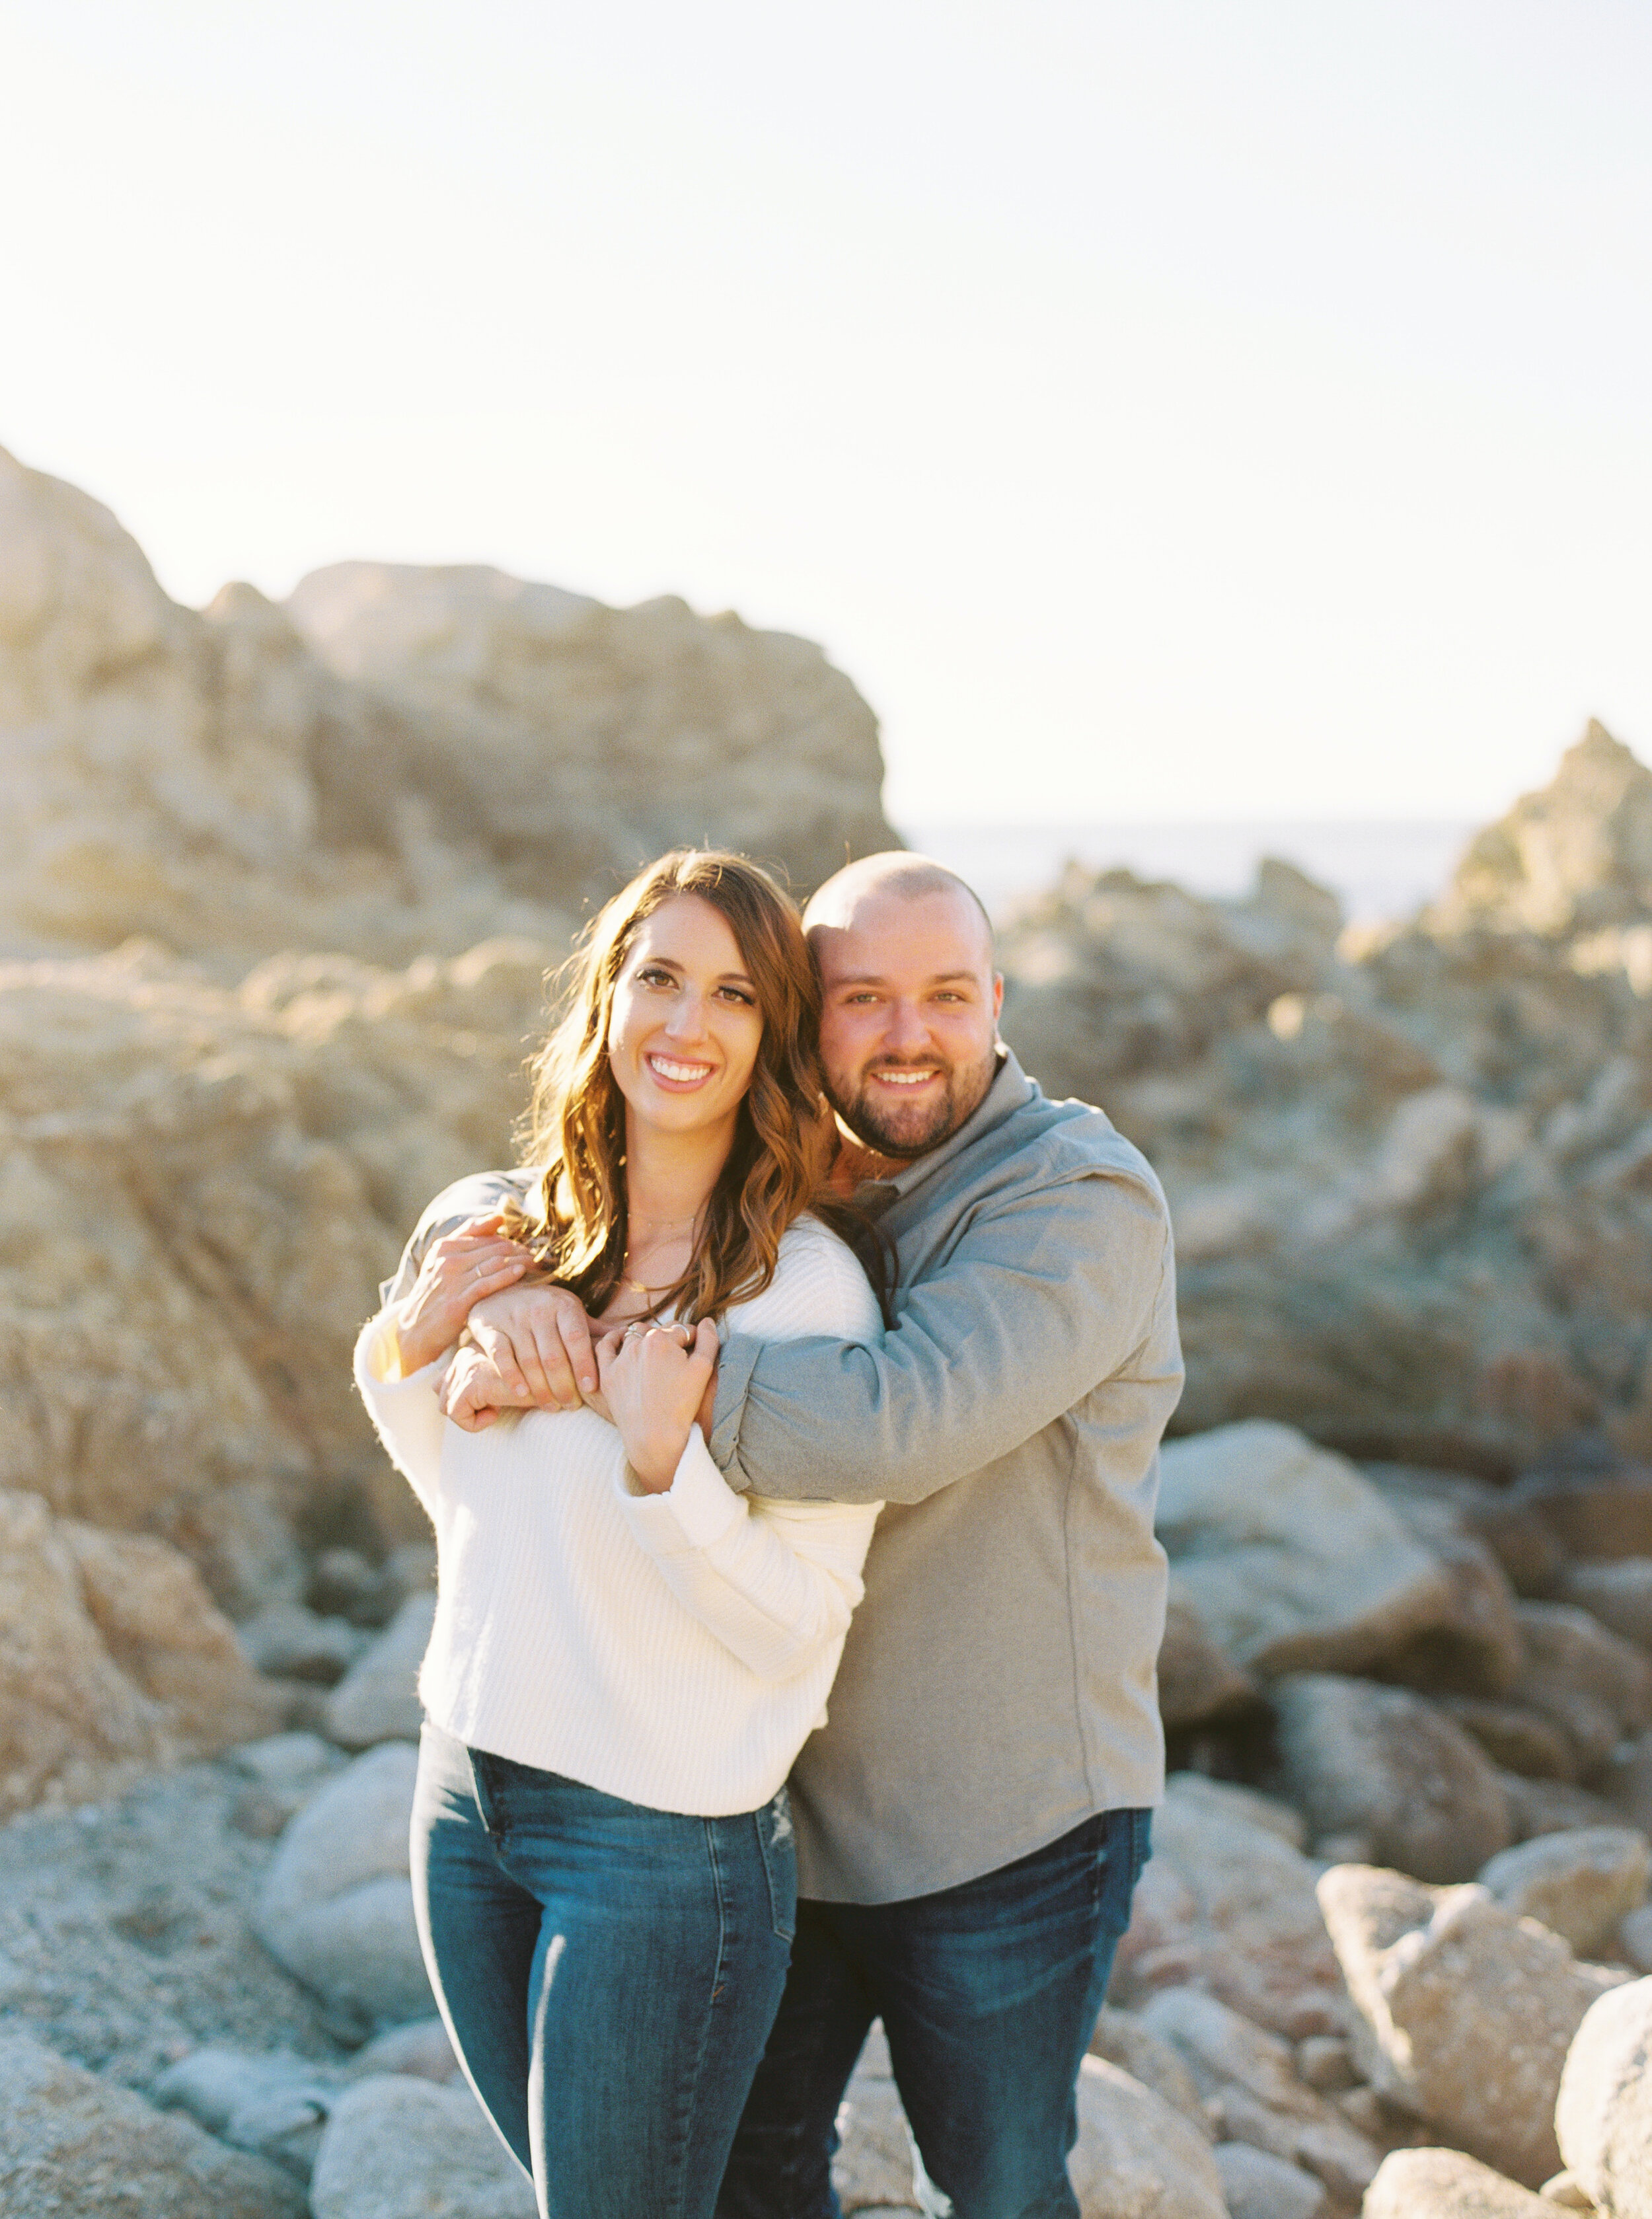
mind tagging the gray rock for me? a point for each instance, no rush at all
(1580, 1886)
(1595, 1685)
(1619, 1594)
(1635, 1938)
(378, 1698)
(1388, 1764)
(275, 2104)
(1445, 2183)
(336, 1905)
(401, 2148)
(1517, 1534)
(1552, 1807)
(286, 1761)
(1604, 2115)
(872, 2169)
(1594, 1513)
(1293, 1560)
(1466, 2012)
(1136, 2158)
(1515, 1738)
(72, 2144)
(1196, 1682)
(294, 1643)
(1260, 2186)
(1226, 1905)
(421, 2048)
(1246, 1806)
(1323, 2062)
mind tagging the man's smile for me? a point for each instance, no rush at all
(890, 1076)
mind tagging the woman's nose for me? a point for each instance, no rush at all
(687, 1018)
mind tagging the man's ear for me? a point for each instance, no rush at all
(997, 996)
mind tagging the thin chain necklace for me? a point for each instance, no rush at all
(663, 1226)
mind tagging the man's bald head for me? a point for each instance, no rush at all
(910, 1000)
(896, 874)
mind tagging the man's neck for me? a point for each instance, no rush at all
(856, 1164)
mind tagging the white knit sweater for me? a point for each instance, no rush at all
(676, 1648)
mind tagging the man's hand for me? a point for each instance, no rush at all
(473, 1261)
(539, 1342)
(654, 1385)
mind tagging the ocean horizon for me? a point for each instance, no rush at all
(1378, 868)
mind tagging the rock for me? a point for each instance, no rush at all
(1293, 1561)
(1635, 1938)
(1476, 1649)
(1580, 1886)
(1387, 1764)
(336, 1904)
(72, 2143)
(873, 2167)
(1135, 2157)
(1196, 1682)
(1225, 1904)
(1594, 1685)
(275, 2104)
(1246, 1806)
(1466, 2012)
(420, 2047)
(292, 1763)
(1514, 1530)
(1569, 2192)
(1258, 2186)
(1248, 2081)
(285, 1638)
(112, 1657)
(1600, 1513)
(1618, 1595)
(1604, 2115)
(378, 1698)
(1552, 1807)
(401, 2149)
(1124, 2039)
(1323, 2062)
(1443, 2184)
(1517, 1739)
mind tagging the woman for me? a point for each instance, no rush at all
(627, 1655)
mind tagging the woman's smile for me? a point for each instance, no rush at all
(685, 1027)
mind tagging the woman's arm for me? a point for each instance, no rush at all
(403, 1406)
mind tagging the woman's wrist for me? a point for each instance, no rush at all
(420, 1341)
(655, 1461)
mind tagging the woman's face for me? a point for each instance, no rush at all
(684, 1028)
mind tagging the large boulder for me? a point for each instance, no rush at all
(1604, 2115)
(336, 1904)
(378, 1698)
(1443, 2184)
(1260, 2186)
(1387, 1767)
(113, 1656)
(1228, 1903)
(1465, 2012)
(1135, 2157)
(1293, 1560)
(1593, 1685)
(70, 2143)
(1617, 1594)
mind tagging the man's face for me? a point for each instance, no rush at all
(909, 1017)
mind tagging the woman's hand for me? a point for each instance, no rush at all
(539, 1339)
(473, 1394)
(653, 1384)
(457, 1270)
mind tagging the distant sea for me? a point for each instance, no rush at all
(1378, 869)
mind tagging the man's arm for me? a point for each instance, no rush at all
(1043, 1298)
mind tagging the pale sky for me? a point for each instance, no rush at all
(1209, 409)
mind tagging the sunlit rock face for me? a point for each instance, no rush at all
(1411, 1169)
(405, 760)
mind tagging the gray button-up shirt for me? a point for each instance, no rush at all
(998, 1682)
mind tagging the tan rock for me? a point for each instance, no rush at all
(72, 2143)
(400, 2147)
(1389, 1767)
(1617, 1595)
(1293, 1560)
(1443, 2184)
(1595, 1685)
(1135, 2157)
(1604, 2115)
(1196, 1682)
(1466, 2012)
(1123, 2038)
(1581, 1885)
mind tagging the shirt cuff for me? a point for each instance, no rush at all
(736, 1364)
(698, 1508)
(378, 1360)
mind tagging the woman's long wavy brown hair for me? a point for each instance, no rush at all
(575, 1124)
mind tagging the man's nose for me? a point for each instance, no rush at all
(907, 1033)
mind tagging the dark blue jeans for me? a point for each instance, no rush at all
(608, 1973)
(988, 1993)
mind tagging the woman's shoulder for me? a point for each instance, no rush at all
(818, 1287)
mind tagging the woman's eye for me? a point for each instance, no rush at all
(651, 975)
(734, 994)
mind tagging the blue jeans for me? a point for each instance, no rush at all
(608, 1973)
(988, 1993)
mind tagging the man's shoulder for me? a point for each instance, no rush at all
(478, 1193)
(1046, 1143)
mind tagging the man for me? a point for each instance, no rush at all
(972, 1819)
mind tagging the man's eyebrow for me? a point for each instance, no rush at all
(878, 979)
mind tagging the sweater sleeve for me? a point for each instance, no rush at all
(776, 1583)
(406, 1414)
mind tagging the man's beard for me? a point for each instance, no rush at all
(893, 1129)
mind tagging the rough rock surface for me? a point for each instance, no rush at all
(112, 1657)
(1595, 1686)
(1466, 2013)
(1604, 2115)
(1387, 1766)
(1124, 2038)
(1258, 2186)
(1293, 1560)
(400, 2148)
(1443, 2184)
(70, 2143)
(1619, 1594)
(1136, 2158)
(1196, 1681)
(1228, 1905)
(1579, 1885)
(336, 1905)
